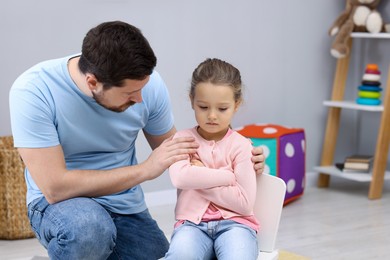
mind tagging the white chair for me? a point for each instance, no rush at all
(268, 209)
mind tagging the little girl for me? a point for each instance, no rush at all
(216, 186)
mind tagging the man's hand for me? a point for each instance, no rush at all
(170, 151)
(258, 159)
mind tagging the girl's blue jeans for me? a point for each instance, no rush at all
(80, 228)
(224, 239)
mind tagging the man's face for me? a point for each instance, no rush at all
(118, 99)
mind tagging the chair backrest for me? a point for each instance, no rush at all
(268, 209)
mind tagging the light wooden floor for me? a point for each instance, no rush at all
(334, 223)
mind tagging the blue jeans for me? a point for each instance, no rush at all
(224, 239)
(80, 228)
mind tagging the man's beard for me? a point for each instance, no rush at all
(100, 97)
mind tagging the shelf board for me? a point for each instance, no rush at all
(370, 35)
(352, 105)
(360, 177)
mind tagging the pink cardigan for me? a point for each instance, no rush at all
(228, 181)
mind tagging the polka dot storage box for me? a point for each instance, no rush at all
(284, 149)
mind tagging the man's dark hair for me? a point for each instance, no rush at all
(115, 51)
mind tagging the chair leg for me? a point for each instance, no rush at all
(268, 255)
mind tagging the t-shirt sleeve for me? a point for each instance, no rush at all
(32, 119)
(160, 119)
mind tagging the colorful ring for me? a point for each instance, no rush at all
(372, 66)
(370, 88)
(368, 71)
(371, 77)
(370, 83)
(368, 101)
(369, 94)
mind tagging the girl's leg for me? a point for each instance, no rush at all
(190, 241)
(138, 237)
(77, 228)
(235, 241)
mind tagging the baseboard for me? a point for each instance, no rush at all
(160, 198)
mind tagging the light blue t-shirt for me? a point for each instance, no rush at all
(48, 109)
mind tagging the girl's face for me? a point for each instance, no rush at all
(214, 108)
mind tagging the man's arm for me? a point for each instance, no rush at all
(48, 169)
(155, 140)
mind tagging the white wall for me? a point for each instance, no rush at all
(281, 48)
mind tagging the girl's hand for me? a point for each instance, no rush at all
(196, 162)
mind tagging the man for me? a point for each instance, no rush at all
(75, 121)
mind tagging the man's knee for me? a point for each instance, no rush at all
(85, 231)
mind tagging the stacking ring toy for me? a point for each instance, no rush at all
(370, 88)
(371, 77)
(368, 101)
(369, 94)
(371, 83)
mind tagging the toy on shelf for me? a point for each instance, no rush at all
(358, 16)
(370, 91)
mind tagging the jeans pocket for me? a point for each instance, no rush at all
(35, 214)
(35, 220)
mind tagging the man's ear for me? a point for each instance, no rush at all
(91, 82)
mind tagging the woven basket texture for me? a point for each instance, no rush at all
(14, 223)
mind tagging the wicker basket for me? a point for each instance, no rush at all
(14, 223)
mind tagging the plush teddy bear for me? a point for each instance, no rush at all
(358, 16)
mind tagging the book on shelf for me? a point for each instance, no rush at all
(358, 163)
(357, 158)
(341, 167)
(349, 170)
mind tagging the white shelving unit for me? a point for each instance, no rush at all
(371, 35)
(358, 176)
(335, 105)
(352, 105)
